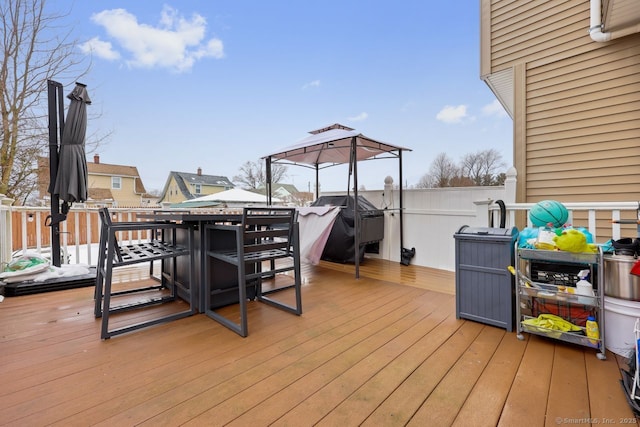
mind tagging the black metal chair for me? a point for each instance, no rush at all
(235, 263)
(113, 254)
(158, 234)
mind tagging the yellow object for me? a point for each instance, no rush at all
(545, 239)
(544, 246)
(593, 331)
(549, 323)
(572, 240)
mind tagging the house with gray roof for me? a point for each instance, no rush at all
(181, 186)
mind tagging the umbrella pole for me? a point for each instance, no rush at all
(55, 96)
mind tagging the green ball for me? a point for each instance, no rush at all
(548, 212)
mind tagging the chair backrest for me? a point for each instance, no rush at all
(268, 230)
(105, 217)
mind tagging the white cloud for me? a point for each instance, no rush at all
(360, 117)
(494, 109)
(100, 48)
(176, 43)
(451, 114)
(314, 83)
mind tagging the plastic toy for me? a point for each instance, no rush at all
(572, 240)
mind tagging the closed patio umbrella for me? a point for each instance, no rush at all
(71, 178)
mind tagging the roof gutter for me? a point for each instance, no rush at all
(595, 25)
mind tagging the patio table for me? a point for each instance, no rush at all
(315, 224)
(195, 221)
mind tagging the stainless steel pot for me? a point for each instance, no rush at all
(618, 282)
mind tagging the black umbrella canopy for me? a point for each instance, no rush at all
(71, 179)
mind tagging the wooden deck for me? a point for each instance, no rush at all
(386, 349)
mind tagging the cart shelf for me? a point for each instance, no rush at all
(553, 292)
(577, 337)
(528, 290)
(561, 257)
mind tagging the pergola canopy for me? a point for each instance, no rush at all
(332, 146)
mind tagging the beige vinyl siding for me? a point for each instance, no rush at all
(522, 31)
(577, 102)
(583, 125)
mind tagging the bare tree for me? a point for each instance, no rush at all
(426, 181)
(482, 167)
(443, 171)
(253, 175)
(35, 48)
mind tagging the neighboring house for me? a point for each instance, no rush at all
(284, 191)
(113, 185)
(122, 184)
(573, 97)
(288, 194)
(181, 186)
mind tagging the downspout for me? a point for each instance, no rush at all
(595, 25)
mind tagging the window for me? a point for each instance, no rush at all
(197, 188)
(116, 183)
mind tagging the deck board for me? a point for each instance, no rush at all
(385, 349)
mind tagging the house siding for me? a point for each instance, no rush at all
(583, 125)
(173, 193)
(577, 102)
(537, 30)
(125, 196)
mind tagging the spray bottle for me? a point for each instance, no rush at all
(584, 287)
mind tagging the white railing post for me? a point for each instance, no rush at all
(6, 229)
(510, 192)
(482, 212)
(615, 226)
(591, 224)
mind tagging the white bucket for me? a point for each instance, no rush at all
(619, 320)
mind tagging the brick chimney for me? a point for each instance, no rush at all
(199, 171)
(96, 158)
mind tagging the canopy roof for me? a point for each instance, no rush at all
(332, 145)
(235, 195)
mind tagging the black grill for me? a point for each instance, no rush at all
(340, 246)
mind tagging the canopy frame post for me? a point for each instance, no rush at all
(317, 181)
(268, 180)
(356, 215)
(401, 205)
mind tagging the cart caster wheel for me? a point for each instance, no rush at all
(520, 337)
(601, 356)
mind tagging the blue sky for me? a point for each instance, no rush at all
(214, 84)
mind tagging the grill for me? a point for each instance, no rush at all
(340, 246)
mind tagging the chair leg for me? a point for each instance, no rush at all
(296, 268)
(99, 290)
(240, 328)
(106, 293)
(297, 309)
(104, 334)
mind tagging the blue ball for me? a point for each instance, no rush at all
(548, 212)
